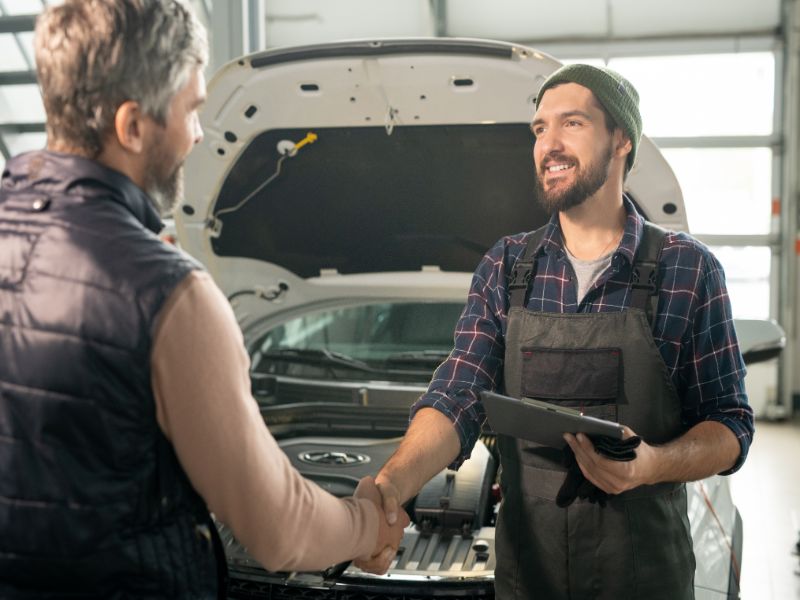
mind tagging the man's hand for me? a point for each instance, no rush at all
(611, 476)
(389, 535)
(707, 448)
(389, 496)
(429, 445)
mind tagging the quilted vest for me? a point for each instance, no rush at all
(93, 501)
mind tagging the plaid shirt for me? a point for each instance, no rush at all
(693, 328)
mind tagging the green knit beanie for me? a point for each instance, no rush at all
(612, 90)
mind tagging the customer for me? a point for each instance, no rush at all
(125, 407)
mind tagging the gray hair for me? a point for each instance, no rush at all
(94, 55)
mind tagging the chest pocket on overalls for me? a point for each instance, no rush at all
(588, 379)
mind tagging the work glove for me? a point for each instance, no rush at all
(576, 485)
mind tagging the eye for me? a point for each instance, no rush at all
(537, 131)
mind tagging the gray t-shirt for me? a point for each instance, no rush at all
(588, 271)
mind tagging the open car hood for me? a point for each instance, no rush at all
(422, 160)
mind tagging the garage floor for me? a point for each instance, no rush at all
(767, 492)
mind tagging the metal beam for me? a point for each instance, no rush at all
(237, 28)
(17, 23)
(790, 198)
(17, 78)
(772, 240)
(4, 149)
(439, 12)
(773, 141)
(17, 128)
(655, 46)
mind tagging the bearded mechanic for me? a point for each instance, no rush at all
(590, 329)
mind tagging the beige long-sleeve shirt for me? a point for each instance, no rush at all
(205, 408)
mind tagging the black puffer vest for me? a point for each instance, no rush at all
(93, 502)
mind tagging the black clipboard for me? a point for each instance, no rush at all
(542, 422)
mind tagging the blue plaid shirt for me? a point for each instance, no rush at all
(693, 328)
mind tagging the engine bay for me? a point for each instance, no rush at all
(451, 534)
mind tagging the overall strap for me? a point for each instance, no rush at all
(644, 274)
(524, 270)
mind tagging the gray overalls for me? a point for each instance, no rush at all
(637, 546)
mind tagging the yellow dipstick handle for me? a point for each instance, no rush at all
(309, 139)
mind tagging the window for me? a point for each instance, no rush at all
(13, 59)
(747, 272)
(21, 104)
(18, 143)
(712, 115)
(726, 190)
(703, 95)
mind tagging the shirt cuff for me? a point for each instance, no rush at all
(743, 434)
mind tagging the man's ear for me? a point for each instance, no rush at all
(623, 145)
(129, 126)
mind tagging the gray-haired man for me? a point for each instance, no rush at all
(125, 408)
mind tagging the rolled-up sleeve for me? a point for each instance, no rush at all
(713, 368)
(476, 362)
(200, 376)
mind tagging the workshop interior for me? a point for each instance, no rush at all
(360, 157)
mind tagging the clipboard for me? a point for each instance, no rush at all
(542, 422)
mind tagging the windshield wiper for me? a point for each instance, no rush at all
(316, 356)
(418, 357)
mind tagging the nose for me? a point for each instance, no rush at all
(547, 141)
(198, 130)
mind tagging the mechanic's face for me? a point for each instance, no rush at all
(172, 143)
(573, 150)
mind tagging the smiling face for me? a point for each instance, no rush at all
(575, 152)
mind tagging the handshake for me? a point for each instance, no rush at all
(392, 521)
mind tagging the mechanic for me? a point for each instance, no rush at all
(125, 404)
(584, 324)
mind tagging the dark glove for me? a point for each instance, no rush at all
(576, 485)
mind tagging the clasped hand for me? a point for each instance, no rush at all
(392, 522)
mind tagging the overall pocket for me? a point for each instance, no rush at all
(589, 379)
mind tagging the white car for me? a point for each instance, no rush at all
(342, 197)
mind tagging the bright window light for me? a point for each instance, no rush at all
(703, 95)
(23, 7)
(21, 104)
(24, 142)
(12, 57)
(727, 191)
(747, 271)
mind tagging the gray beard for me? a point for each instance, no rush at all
(586, 185)
(166, 191)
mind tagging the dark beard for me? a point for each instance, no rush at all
(587, 183)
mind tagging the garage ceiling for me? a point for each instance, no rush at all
(526, 20)
(292, 22)
(308, 21)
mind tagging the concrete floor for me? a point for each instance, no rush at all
(767, 492)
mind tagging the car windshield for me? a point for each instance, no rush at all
(387, 341)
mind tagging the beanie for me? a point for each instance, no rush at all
(612, 90)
